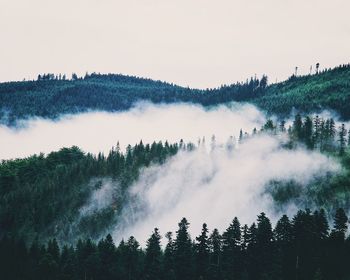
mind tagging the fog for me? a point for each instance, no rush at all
(99, 131)
(104, 195)
(215, 186)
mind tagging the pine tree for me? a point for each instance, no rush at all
(215, 246)
(168, 262)
(67, 263)
(342, 139)
(321, 224)
(107, 256)
(317, 130)
(297, 127)
(153, 257)
(202, 254)
(54, 250)
(183, 252)
(252, 253)
(282, 126)
(264, 237)
(231, 250)
(133, 259)
(269, 126)
(323, 135)
(284, 261)
(240, 139)
(307, 133)
(340, 223)
(338, 263)
(305, 238)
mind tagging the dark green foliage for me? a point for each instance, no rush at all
(51, 96)
(215, 246)
(183, 253)
(153, 258)
(202, 254)
(342, 139)
(328, 89)
(297, 249)
(328, 190)
(231, 251)
(41, 196)
(168, 268)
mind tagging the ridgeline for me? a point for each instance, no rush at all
(53, 95)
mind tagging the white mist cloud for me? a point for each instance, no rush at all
(215, 187)
(100, 131)
(203, 186)
(104, 195)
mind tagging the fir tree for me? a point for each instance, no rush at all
(153, 257)
(202, 254)
(183, 252)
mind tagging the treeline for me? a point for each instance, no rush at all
(41, 195)
(330, 190)
(321, 134)
(327, 89)
(52, 95)
(302, 248)
(315, 132)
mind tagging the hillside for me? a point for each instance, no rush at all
(43, 196)
(328, 90)
(51, 96)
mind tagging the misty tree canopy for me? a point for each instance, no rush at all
(53, 95)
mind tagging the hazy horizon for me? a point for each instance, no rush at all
(184, 42)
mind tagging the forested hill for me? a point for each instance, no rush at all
(52, 95)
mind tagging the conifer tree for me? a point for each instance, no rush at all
(168, 262)
(215, 246)
(307, 134)
(297, 127)
(202, 254)
(231, 250)
(153, 257)
(342, 139)
(183, 252)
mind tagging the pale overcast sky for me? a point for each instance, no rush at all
(199, 43)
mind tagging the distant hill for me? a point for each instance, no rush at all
(50, 96)
(329, 89)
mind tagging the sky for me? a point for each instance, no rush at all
(196, 43)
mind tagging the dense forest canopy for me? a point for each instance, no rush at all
(48, 232)
(52, 95)
(41, 196)
(304, 247)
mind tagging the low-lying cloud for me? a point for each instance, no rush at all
(210, 185)
(99, 131)
(105, 194)
(214, 187)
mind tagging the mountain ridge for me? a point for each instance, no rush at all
(51, 96)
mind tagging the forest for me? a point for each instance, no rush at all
(40, 196)
(44, 234)
(50, 95)
(304, 247)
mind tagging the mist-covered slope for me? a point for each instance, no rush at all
(51, 96)
(70, 194)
